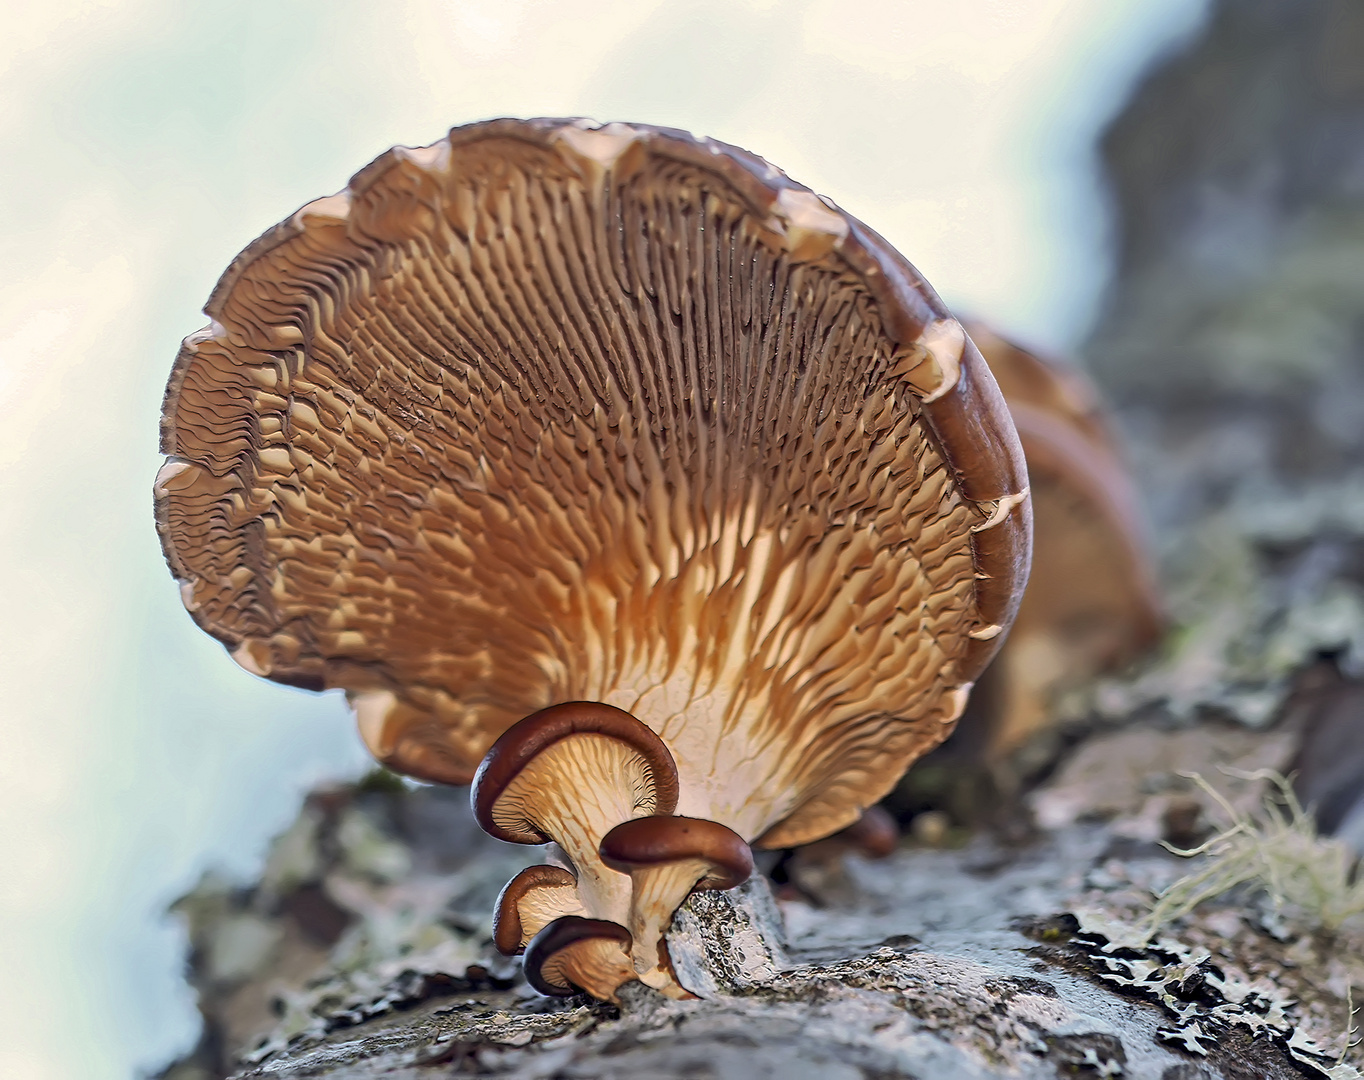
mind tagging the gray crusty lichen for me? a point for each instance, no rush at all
(1210, 1013)
(935, 963)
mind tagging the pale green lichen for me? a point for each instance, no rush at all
(1244, 625)
(1351, 1029)
(1312, 882)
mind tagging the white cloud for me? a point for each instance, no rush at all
(56, 320)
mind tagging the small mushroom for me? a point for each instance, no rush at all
(875, 835)
(573, 954)
(531, 901)
(666, 858)
(818, 872)
(569, 774)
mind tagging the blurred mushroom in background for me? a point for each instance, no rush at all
(1091, 606)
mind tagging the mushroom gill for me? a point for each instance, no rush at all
(553, 412)
(574, 954)
(531, 901)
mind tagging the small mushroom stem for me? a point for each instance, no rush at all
(667, 857)
(574, 954)
(658, 892)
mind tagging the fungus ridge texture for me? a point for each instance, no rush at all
(501, 426)
(551, 787)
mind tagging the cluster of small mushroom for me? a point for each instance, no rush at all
(599, 921)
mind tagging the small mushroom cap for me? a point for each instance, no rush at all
(653, 841)
(508, 932)
(550, 957)
(875, 834)
(530, 737)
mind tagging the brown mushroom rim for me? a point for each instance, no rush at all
(551, 411)
(528, 738)
(544, 961)
(508, 930)
(655, 841)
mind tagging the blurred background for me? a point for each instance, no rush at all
(1171, 189)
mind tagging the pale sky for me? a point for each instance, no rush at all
(144, 142)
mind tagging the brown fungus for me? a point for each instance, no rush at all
(573, 955)
(531, 901)
(1091, 604)
(569, 774)
(551, 411)
(667, 857)
(875, 835)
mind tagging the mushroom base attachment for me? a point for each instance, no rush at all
(657, 894)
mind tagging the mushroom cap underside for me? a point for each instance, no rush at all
(574, 954)
(650, 774)
(548, 890)
(551, 411)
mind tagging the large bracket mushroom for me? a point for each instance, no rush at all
(553, 412)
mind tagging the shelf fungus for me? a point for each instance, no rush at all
(1091, 604)
(622, 432)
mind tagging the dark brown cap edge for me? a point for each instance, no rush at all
(651, 841)
(560, 934)
(507, 928)
(531, 736)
